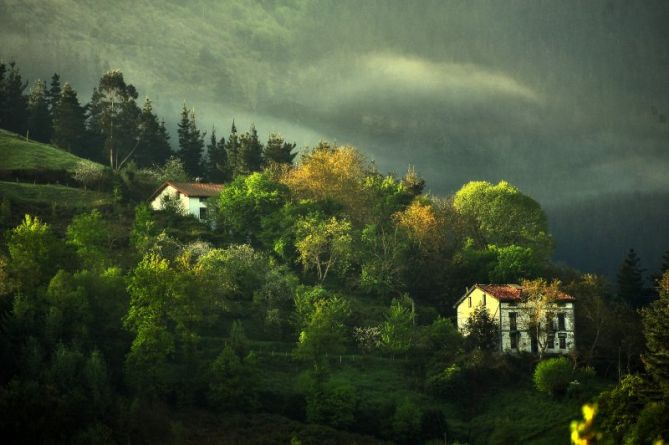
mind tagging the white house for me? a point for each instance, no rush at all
(513, 313)
(191, 196)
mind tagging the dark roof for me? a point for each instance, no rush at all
(507, 293)
(191, 189)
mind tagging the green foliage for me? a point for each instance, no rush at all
(153, 145)
(323, 244)
(144, 230)
(397, 331)
(552, 376)
(113, 117)
(513, 264)
(481, 330)
(383, 260)
(655, 319)
(39, 118)
(278, 151)
(35, 253)
(406, 421)
(90, 236)
(245, 204)
(163, 315)
(503, 216)
(232, 381)
(321, 319)
(330, 403)
(235, 273)
(69, 122)
(191, 143)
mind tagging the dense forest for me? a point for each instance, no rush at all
(315, 305)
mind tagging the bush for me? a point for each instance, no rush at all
(552, 376)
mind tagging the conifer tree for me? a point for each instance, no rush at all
(232, 151)
(630, 281)
(250, 152)
(14, 106)
(54, 91)
(39, 118)
(69, 121)
(191, 143)
(217, 159)
(278, 151)
(153, 143)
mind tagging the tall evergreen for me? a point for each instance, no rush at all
(630, 281)
(113, 119)
(191, 143)
(217, 159)
(39, 117)
(250, 152)
(54, 91)
(14, 106)
(153, 144)
(69, 121)
(232, 151)
(278, 150)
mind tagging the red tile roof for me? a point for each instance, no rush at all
(191, 189)
(512, 292)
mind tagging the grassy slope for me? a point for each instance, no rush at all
(19, 154)
(58, 194)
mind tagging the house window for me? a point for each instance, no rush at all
(561, 326)
(178, 195)
(563, 343)
(470, 301)
(550, 322)
(513, 324)
(550, 342)
(483, 299)
(203, 213)
(514, 340)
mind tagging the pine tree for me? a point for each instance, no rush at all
(54, 91)
(232, 151)
(191, 143)
(14, 106)
(278, 150)
(153, 142)
(250, 152)
(630, 281)
(39, 118)
(69, 122)
(217, 159)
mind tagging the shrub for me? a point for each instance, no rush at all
(552, 376)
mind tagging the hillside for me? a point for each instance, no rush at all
(21, 155)
(53, 194)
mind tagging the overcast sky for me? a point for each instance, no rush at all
(565, 99)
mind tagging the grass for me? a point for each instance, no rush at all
(53, 194)
(19, 154)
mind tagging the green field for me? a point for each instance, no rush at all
(18, 154)
(53, 194)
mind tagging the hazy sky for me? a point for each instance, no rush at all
(563, 98)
